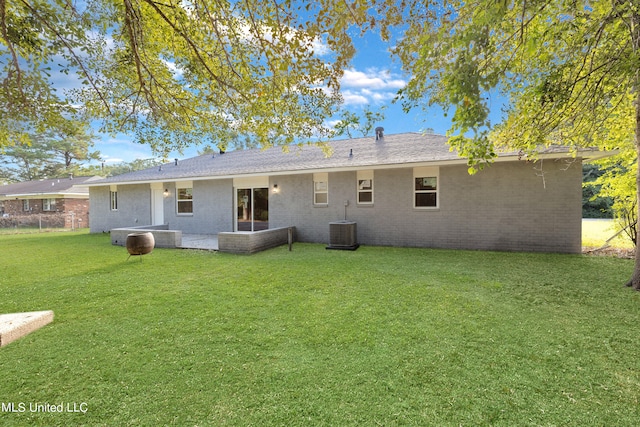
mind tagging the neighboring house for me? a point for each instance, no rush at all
(401, 190)
(65, 201)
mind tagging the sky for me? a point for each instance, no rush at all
(371, 82)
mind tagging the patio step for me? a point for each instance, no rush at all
(17, 325)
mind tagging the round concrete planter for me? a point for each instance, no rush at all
(140, 243)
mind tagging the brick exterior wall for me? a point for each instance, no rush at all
(75, 212)
(508, 206)
(249, 243)
(163, 237)
(80, 210)
(212, 208)
(134, 207)
(512, 206)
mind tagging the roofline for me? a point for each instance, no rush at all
(584, 154)
(71, 191)
(36, 195)
(597, 155)
(271, 173)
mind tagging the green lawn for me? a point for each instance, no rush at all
(379, 336)
(596, 232)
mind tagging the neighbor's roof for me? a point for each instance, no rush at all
(348, 154)
(48, 187)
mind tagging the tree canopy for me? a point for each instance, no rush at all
(174, 73)
(351, 123)
(49, 154)
(569, 71)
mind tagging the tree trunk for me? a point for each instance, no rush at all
(635, 41)
(635, 279)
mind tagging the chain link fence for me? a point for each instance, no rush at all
(43, 222)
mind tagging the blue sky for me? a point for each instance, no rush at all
(371, 82)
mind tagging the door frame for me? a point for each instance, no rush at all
(236, 206)
(157, 204)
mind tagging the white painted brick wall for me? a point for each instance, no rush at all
(507, 206)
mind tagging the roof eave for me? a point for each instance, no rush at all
(444, 162)
(49, 195)
(587, 155)
(597, 155)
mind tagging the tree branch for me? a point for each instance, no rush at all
(195, 49)
(14, 55)
(71, 51)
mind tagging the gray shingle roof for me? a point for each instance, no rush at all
(367, 152)
(57, 186)
(398, 149)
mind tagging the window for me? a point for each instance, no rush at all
(25, 205)
(113, 198)
(320, 188)
(365, 187)
(425, 187)
(48, 204)
(185, 200)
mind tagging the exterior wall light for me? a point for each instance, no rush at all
(166, 192)
(275, 189)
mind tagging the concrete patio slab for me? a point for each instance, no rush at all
(17, 325)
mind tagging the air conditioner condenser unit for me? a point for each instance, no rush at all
(343, 235)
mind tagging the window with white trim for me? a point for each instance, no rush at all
(113, 200)
(184, 200)
(425, 187)
(320, 188)
(48, 204)
(365, 187)
(25, 205)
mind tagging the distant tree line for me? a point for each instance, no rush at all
(594, 205)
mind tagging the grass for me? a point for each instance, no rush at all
(379, 336)
(595, 233)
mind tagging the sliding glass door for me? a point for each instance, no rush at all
(252, 207)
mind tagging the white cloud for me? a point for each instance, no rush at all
(354, 98)
(372, 79)
(320, 48)
(372, 86)
(383, 97)
(331, 123)
(174, 69)
(113, 160)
